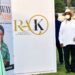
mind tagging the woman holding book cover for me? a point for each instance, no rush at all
(4, 48)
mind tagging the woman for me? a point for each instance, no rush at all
(4, 48)
(2, 68)
(67, 40)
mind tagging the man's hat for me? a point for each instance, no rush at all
(68, 12)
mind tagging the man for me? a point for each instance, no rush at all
(59, 48)
(67, 40)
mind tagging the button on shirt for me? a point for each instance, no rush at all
(67, 32)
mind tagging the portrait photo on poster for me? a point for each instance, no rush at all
(6, 36)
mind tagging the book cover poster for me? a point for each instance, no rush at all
(6, 36)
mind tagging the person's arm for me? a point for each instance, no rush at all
(74, 32)
(7, 60)
(61, 34)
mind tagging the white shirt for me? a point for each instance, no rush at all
(67, 32)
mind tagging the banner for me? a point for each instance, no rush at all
(6, 36)
(34, 36)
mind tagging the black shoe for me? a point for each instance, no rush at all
(73, 71)
(61, 63)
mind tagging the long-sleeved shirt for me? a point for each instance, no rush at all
(67, 32)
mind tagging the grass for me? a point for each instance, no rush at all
(60, 70)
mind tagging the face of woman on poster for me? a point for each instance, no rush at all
(1, 35)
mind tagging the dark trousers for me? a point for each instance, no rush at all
(60, 52)
(69, 51)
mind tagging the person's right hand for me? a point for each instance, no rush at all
(6, 62)
(61, 44)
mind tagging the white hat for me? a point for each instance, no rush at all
(67, 10)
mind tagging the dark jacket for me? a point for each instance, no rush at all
(57, 28)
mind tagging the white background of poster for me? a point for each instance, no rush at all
(34, 53)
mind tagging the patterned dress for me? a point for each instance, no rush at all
(5, 52)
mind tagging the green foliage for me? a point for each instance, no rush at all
(59, 6)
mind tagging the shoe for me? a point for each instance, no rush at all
(73, 71)
(61, 63)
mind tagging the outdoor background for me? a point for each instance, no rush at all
(60, 7)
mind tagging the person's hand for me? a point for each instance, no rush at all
(74, 39)
(6, 62)
(61, 44)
